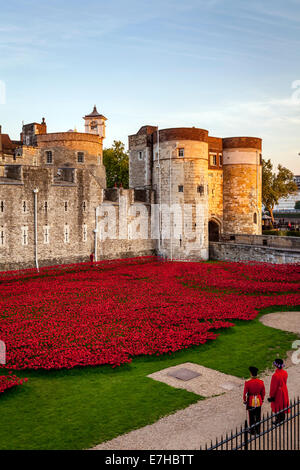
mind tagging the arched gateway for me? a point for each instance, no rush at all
(213, 231)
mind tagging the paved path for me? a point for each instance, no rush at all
(197, 424)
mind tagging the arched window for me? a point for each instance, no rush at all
(255, 217)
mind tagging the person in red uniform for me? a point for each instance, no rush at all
(254, 394)
(279, 396)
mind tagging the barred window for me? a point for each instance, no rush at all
(24, 206)
(2, 237)
(84, 233)
(66, 234)
(2, 206)
(84, 206)
(181, 152)
(49, 156)
(80, 157)
(213, 159)
(180, 188)
(46, 234)
(66, 206)
(24, 236)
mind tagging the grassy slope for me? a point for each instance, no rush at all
(82, 407)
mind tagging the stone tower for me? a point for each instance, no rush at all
(180, 175)
(242, 185)
(174, 163)
(95, 123)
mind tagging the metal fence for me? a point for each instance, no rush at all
(265, 435)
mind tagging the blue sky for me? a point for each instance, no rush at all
(224, 65)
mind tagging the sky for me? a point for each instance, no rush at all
(229, 66)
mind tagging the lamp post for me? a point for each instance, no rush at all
(35, 191)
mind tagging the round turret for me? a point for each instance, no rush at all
(242, 185)
(180, 173)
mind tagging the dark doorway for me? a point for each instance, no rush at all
(213, 231)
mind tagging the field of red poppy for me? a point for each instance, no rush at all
(143, 314)
(78, 315)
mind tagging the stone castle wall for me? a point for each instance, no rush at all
(217, 179)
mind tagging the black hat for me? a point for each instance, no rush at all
(253, 371)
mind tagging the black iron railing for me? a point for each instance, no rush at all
(265, 435)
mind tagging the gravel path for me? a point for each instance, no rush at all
(197, 424)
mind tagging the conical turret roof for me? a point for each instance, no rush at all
(95, 114)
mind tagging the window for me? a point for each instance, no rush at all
(221, 159)
(84, 233)
(49, 157)
(84, 206)
(200, 189)
(2, 237)
(80, 157)
(180, 188)
(24, 236)
(46, 206)
(255, 218)
(1, 206)
(24, 206)
(46, 234)
(140, 155)
(66, 206)
(66, 234)
(213, 159)
(181, 152)
(260, 159)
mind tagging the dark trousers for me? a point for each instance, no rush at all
(254, 417)
(280, 418)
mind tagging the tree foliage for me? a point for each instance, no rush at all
(116, 162)
(276, 186)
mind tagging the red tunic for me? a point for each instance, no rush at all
(254, 387)
(279, 391)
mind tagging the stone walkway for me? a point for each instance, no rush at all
(197, 424)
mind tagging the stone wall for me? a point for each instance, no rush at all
(124, 225)
(215, 194)
(62, 208)
(241, 252)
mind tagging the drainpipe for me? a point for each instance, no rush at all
(35, 191)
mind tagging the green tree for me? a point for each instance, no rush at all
(297, 205)
(276, 186)
(116, 162)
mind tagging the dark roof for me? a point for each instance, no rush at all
(95, 114)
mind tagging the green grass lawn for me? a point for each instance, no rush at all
(79, 408)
